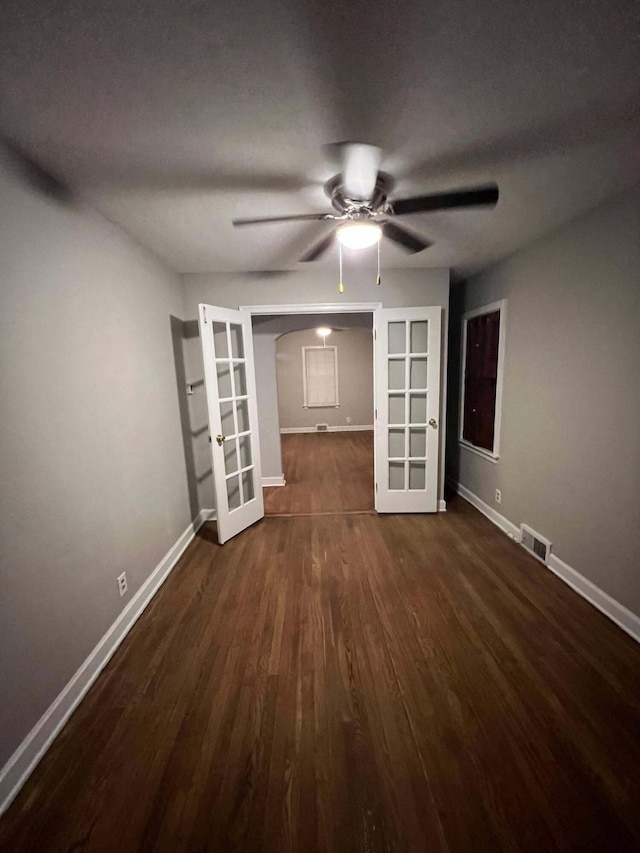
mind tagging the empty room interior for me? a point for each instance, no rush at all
(323, 413)
(320, 458)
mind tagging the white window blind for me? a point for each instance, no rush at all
(320, 376)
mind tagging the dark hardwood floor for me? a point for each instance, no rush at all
(325, 472)
(351, 683)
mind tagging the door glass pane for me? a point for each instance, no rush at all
(226, 418)
(418, 373)
(247, 485)
(220, 346)
(230, 456)
(233, 492)
(417, 442)
(396, 443)
(417, 475)
(396, 409)
(396, 373)
(224, 378)
(397, 337)
(419, 331)
(237, 345)
(243, 415)
(396, 475)
(418, 409)
(245, 451)
(240, 379)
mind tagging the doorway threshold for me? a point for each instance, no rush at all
(313, 514)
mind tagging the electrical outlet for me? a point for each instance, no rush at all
(498, 496)
(122, 583)
(348, 419)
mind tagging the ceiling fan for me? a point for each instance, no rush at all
(359, 193)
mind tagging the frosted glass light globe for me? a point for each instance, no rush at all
(359, 235)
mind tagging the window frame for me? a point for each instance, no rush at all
(305, 399)
(501, 307)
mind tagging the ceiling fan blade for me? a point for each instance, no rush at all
(302, 217)
(319, 248)
(360, 163)
(34, 174)
(406, 239)
(475, 197)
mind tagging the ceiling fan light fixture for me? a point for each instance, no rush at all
(359, 235)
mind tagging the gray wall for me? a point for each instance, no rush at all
(303, 287)
(355, 379)
(91, 453)
(403, 287)
(570, 447)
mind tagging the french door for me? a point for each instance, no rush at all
(227, 351)
(407, 422)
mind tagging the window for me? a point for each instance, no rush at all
(320, 376)
(481, 386)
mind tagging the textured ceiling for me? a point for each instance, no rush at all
(172, 117)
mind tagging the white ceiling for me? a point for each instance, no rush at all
(173, 116)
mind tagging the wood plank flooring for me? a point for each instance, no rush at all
(351, 683)
(325, 472)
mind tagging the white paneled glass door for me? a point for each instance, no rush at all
(407, 370)
(227, 350)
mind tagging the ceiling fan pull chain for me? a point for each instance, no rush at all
(378, 279)
(340, 285)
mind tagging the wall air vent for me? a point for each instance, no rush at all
(535, 544)
(322, 427)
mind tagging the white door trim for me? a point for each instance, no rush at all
(311, 308)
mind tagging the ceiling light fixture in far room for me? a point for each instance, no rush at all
(323, 331)
(359, 235)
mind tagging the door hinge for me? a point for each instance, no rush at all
(204, 314)
(376, 488)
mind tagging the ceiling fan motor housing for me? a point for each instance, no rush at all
(354, 208)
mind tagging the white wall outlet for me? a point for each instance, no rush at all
(348, 419)
(122, 583)
(498, 496)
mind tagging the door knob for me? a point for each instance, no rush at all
(220, 439)
(433, 423)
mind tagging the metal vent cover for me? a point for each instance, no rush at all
(536, 544)
(322, 427)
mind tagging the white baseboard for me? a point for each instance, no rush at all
(24, 760)
(346, 428)
(442, 506)
(268, 482)
(618, 613)
(499, 520)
